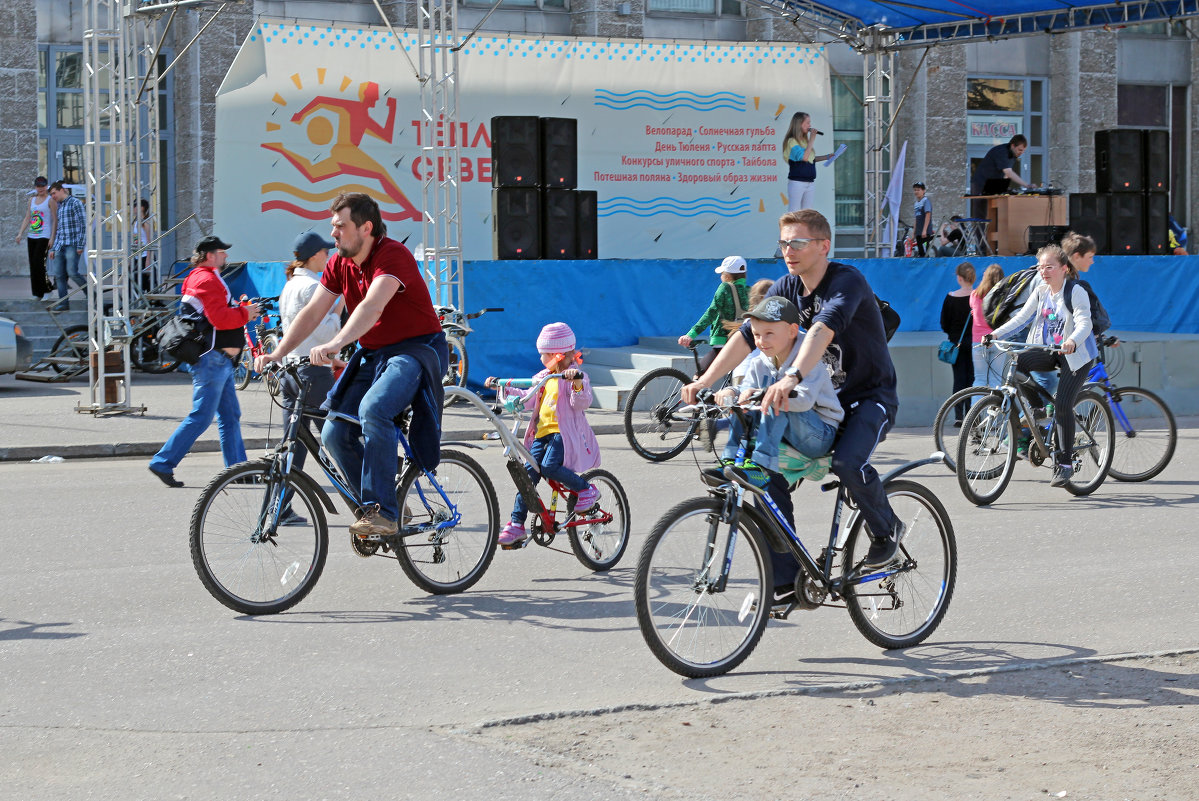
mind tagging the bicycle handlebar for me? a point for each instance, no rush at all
(1006, 345)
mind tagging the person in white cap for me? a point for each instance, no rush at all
(728, 304)
(558, 435)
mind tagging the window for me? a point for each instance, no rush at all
(719, 8)
(849, 123)
(998, 108)
(556, 5)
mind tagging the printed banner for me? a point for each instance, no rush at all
(681, 140)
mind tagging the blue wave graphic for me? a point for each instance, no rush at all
(669, 205)
(664, 102)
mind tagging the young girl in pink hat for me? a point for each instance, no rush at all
(558, 435)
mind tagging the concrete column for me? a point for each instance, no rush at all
(1082, 100)
(601, 18)
(18, 126)
(197, 79)
(932, 121)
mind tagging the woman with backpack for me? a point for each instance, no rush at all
(1059, 309)
(1080, 250)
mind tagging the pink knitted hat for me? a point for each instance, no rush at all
(556, 338)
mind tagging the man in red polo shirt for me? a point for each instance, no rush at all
(400, 360)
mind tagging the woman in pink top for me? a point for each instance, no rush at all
(988, 362)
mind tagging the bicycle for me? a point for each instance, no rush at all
(654, 425)
(448, 528)
(1147, 435)
(987, 447)
(456, 326)
(266, 338)
(598, 536)
(703, 588)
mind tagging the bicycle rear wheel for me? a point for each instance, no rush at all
(651, 423)
(243, 371)
(449, 559)
(1145, 434)
(986, 450)
(243, 558)
(72, 344)
(1094, 443)
(599, 546)
(696, 625)
(146, 356)
(945, 433)
(904, 608)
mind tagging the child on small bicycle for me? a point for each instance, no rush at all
(810, 424)
(558, 435)
(732, 295)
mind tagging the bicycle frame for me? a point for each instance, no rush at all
(518, 457)
(1011, 390)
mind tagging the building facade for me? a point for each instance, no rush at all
(958, 99)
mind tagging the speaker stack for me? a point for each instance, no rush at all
(1128, 214)
(537, 210)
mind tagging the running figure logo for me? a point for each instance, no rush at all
(339, 123)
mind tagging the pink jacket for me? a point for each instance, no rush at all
(581, 449)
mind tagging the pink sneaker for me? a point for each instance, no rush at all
(512, 533)
(587, 498)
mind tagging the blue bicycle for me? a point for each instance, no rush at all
(256, 559)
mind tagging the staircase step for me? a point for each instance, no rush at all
(638, 358)
(611, 398)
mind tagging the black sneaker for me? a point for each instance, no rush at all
(884, 550)
(784, 596)
(1062, 474)
(290, 518)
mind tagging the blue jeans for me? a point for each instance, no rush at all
(66, 262)
(805, 431)
(369, 456)
(549, 452)
(988, 365)
(213, 393)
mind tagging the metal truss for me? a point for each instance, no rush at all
(879, 108)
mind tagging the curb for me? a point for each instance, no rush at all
(29, 453)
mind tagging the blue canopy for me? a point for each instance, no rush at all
(866, 24)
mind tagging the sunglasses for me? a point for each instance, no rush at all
(794, 244)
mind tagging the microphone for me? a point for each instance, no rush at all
(818, 133)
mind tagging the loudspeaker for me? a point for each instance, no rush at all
(1126, 224)
(1157, 223)
(1088, 216)
(586, 224)
(515, 151)
(516, 223)
(559, 153)
(1119, 160)
(1041, 235)
(558, 223)
(1157, 160)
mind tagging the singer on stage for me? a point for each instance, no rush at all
(799, 151)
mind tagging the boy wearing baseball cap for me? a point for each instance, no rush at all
(723, 315)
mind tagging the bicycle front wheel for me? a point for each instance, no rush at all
(73, 344)
(906, 606)
(455, 376)
(986, 451)
(945, 433)
(597, 545)
(439, 558)
(651, 422)
(270, 343)
(1094, 443)
(243, 557)
(698, 620)
(1145, 434)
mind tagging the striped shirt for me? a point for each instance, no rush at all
(72, 225)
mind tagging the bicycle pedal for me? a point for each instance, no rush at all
(782, 611)
(514, 546)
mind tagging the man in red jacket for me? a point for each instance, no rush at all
(213, 392)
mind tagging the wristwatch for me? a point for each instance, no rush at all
(793, 372)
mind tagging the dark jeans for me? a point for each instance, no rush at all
(1063, 402)
(963, 376)
(320, 381)
(866, 425)
(37, 248)
(549, 452)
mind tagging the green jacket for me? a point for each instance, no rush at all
(722, 309)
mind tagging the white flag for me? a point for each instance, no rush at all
(893, 199)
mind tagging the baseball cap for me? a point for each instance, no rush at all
(40, 181)
(775, 309)
(211, 243)
(734, 265)
(309, 243)
(919, 185)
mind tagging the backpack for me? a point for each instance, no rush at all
(1100, 321)
(1007, 296)
(187, 336)
(890, 317)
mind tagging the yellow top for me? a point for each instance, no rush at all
(547, 415)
